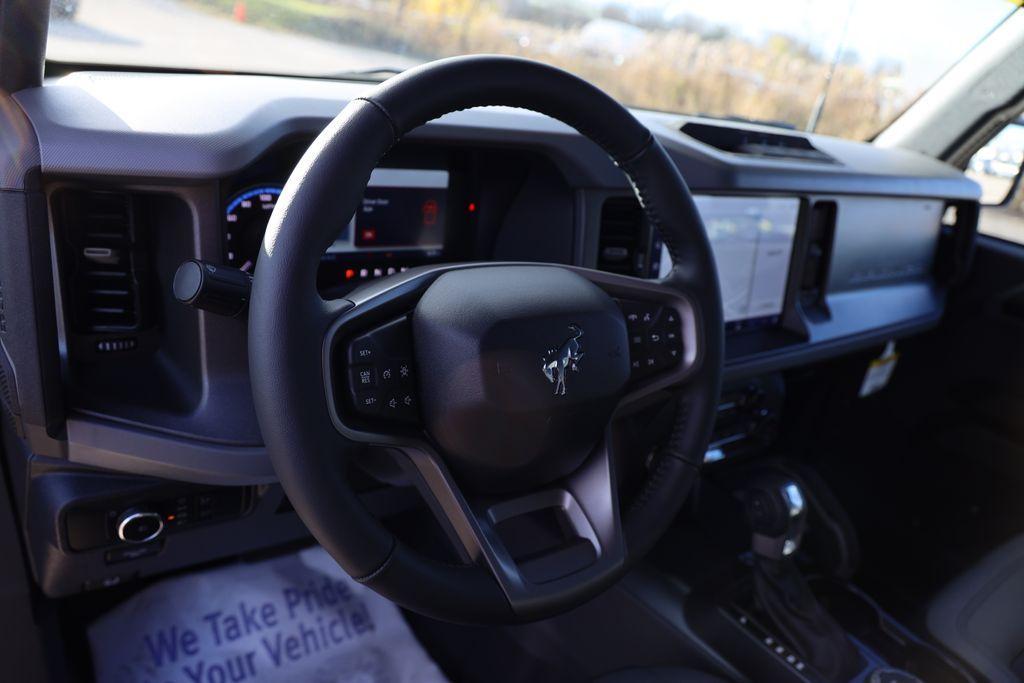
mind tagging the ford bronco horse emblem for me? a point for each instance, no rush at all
(557, 362)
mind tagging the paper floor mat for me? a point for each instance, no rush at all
(295, 618)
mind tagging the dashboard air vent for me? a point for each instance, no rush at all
(623, 237)
(756, 143)
(957, 235)
(814, 275)
(105, 261)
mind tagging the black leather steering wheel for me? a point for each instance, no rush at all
(523, 371)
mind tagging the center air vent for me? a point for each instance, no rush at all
(821, 231)
(105, 261)
(622, 247)
(756, 142)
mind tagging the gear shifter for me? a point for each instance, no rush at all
(778, 518)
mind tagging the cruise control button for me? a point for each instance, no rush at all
(405, 371)
(395, 372)
(363, 350)
(363, 376)
(367, 402)
(381, 373)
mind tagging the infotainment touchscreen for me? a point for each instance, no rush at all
(752, 240)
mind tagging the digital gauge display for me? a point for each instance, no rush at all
(401, 222)
(246, 219)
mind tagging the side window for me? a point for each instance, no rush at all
(997, 168)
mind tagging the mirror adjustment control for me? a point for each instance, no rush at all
(139, 526)
(381, 374)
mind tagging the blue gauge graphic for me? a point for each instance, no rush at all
(245, 221)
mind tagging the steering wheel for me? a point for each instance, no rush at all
(501, 386)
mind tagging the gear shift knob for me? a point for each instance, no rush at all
(777, 513)
(778, 517)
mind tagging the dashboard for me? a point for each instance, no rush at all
(823, 247)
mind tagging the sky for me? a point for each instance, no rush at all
(926, 36)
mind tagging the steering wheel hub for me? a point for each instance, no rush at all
(520, 370)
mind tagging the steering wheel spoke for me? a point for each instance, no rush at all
(536, 545)
(369, 368)
(663, 327)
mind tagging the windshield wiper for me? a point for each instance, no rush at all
(379, 73)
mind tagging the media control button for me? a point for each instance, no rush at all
(638, 314)
(655, 337)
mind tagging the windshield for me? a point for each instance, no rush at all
(843, 68)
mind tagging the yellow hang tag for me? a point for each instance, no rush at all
(880, 371)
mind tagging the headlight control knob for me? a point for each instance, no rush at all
(139, 526)
(218, 289)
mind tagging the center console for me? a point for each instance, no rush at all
(774, 611)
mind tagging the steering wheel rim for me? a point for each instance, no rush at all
(294, 333)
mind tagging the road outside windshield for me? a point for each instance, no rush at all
(843, 68)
